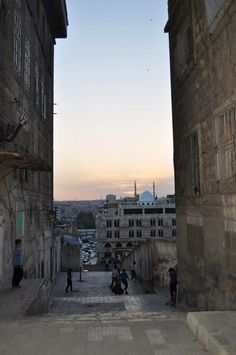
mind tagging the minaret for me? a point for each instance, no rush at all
(135, 190)
(154, 190)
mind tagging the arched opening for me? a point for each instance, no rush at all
(118, 245)
(107, 245)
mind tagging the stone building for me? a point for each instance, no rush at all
(202, 35)
(28, 29)
(122, 224)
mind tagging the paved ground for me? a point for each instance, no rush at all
(93, 295)
(15, 301)
(73, 336)
(94, 321)
(216, 330)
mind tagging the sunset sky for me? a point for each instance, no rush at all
(112, 89)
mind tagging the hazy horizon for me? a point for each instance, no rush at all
(112, 89)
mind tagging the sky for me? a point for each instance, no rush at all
(112, 122)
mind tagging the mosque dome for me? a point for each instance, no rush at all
(146, 197)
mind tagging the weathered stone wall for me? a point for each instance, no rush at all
(153, 259)
(203, 76)
(26, 87)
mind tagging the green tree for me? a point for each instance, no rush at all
(85, 220)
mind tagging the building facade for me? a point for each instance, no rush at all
(28, 29)
(202, 35)
(122, 224)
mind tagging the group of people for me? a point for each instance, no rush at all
(119, 277)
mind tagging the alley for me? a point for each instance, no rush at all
(92, 320)
(93, 296)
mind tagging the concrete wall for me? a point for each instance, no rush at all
(203, 77)
(70, 258)
(153, 259)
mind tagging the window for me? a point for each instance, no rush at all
(3, 17)
(225, 136)
(117, 234)
(173, 222)
(174, 233)
(160, 233)
(117, 222)
(109, 223)
(17, 42)
(183, 52)
(133, 211)
(160, 222)
(107, 245)
(190, 153)
(131, 222)
(153, 210)
(170, 210)
(131, 234)
(139, 234)
(195, 163)
(109, 234)
(153, 233)
(42, 97)
(36, 84)
(138, 222)
(153, 222)
(27, 65)
(213, 8)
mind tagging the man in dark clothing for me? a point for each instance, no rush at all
(17, 263)
(173, 285)
(69, 281)
(124, 278)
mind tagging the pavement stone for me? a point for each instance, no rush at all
(95, 321)
(42, 335)
(15, 301)
(94, 295)
(215, 330)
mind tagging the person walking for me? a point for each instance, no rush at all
(17, 259)
(173, 285)
(114, 275)
(124, 278)
(69, 281)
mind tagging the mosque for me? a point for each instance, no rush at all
(122, 223)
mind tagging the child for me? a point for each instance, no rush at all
(69, 280)
(124, 278)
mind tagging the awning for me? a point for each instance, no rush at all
(22, 161)
(71, 241)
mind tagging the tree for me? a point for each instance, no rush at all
(85, 220)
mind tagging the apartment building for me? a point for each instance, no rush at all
(28, 31)
(122, 223)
